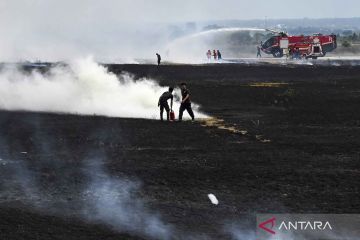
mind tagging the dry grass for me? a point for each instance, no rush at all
(267, 84)
(220, 124)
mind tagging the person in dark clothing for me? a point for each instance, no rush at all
(296, 53)
(258, 52)
(158, 58)
(185, 103)
(163, 103)
(214, 54)
(218, 55)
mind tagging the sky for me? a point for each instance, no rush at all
(184, 10)
(41, 28)
(173, 10)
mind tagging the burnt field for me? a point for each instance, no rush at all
(282, 139)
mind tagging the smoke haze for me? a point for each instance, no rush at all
(118, 31)
(83, 87)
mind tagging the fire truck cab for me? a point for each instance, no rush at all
(315, 50)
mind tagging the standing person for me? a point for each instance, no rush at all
(185, 103)
(163, 104)
(287, 52)
(300, 56)
(291, 53)
(258, 52)
(158, 58)
(297, 54)
(218, 54)
(214, 54)
(208, 55)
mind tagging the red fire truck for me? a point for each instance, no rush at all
(299, 46)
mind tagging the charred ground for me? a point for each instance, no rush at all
(300, 153)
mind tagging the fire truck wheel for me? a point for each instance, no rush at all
(277, 53)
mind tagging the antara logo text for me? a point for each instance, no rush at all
(270, 225)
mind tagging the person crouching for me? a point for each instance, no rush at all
(163, 103)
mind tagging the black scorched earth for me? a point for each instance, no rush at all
(281, 139)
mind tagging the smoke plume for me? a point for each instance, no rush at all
(82, 87)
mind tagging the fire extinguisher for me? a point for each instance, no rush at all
(172, 115)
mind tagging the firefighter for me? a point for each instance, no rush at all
(185, 103)
(258, 52)
(163, 103)
(218, 55)
(158, 58)
(214, 54)
(286, 52)
(208, 55)
(290, 51)
(297, 53)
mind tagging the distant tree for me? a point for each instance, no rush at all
(354, 37)
(347, 33)
(346, 44)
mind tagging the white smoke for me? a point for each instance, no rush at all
(114, 201)
(107, 200)
(82, 87)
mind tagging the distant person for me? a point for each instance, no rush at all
(208, 55)
(297, 53)
(218, 54)
(214, 54)
(286, 52)
(158, 58)
(291, 53)
(185, 103)
(163, 103)
(258, 55)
